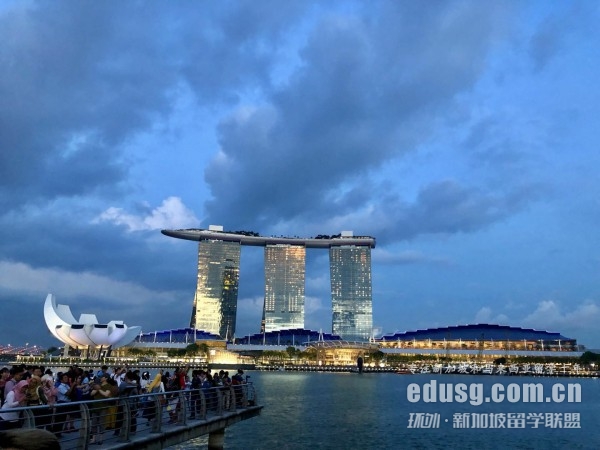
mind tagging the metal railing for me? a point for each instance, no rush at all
(78, 425)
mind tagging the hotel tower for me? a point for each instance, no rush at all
(215, 300)
(285, 267)
(351, 299)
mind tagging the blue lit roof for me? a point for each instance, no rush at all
(179, 335)
(481, 331)
(294, 336)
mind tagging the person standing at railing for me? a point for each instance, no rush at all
(182, 384)
(51, 393)
(155, 383)
(195, 394)
(174, 384)
(65, 389)
(36, 397)
(102, 372)
(237, 380)
(172, 397)
(134, 377)
(14, 399)
(217, 385)
(15, 375)
(110, 419)
(50, 390)
(85, 386)
(181, 377)
(145, 381)
(128, 389)
(66, 392)
(118, 375)
(210, 394)
(226, 390)
(37, 371)
(98, 409)
(155, 386)
(34, 394)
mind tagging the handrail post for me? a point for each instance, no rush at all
(126, 423)
(158, 411)
(232, 399)
(203, 405)
(29, 419)
(84, 428)
(219, 401)
(244, 395)
(183, 408)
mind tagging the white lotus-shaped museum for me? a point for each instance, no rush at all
(86, 332)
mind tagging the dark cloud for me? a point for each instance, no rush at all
(444, 207)
(492, 148)
(74, 93)
(556, 31)
(95, 269)
(448, 207)
(79, 80)
(53, 238)
(407, 257)
(367, 91)
(545, 44)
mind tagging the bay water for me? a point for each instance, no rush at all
(317, 410)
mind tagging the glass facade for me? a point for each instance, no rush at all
(351, 298)
(215, 301)
(285, 269)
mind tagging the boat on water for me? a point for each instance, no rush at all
(404, 372)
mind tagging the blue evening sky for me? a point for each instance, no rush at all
(460, 134)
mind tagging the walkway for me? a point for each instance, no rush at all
(152, 421)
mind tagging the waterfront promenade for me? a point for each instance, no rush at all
(149, 421)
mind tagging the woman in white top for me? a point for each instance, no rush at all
(14, 399)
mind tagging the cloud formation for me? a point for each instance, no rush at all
(365, 95)
(172, 213)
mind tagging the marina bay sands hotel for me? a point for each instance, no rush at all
(215, 300)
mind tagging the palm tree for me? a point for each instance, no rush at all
(192, 349)
(205, 349)
(135, 351)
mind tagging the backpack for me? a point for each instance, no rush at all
(172, 385)
(42, 396)
(132, 392)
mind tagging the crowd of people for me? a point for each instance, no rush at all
(23, 385)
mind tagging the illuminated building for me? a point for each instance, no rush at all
(351, 298)
(216, 294)
(85, 333)
(215, 300)
(484, 340)
(285, 267)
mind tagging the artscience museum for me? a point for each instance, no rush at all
(87, 332)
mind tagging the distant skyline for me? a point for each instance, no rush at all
(462, 135)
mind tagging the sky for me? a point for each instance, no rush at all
(462, 135)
